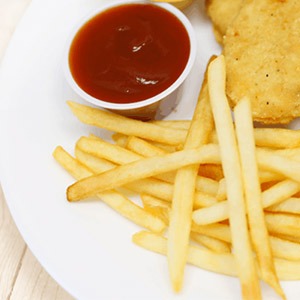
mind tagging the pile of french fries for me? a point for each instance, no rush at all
(216, 193)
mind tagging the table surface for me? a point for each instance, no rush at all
(21, 275)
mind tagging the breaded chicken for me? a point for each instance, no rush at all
(222, 13)
(262, 53)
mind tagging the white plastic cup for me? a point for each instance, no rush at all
(155, 107)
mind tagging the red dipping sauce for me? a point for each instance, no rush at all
(129, 53)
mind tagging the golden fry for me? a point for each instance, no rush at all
(142, 168)
(234, 184)
(291, 206)
(115, 200)
(144, 148)
(208, 260)
(111, 121)
(285, 224)
(157, 207)
(270, 161)
(184, 191)
(258, 230)
(219, 211)
(211, 243)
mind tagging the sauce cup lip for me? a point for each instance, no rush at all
(142, 103)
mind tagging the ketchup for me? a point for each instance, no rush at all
(129, 53)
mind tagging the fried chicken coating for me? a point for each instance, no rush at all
(222, 13)
(262, 53)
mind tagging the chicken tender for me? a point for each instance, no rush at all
(222, 13)
(262, 52)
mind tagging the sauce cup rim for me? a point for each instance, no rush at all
(143, 103)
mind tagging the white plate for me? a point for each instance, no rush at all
(85, 246)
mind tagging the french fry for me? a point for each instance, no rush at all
(221, 263)
(291, 206)
(270, 161)
(293, 153)
(184, 191)
(144, 148)
(234, 185)
(140, 169)
(115, 153)
(203, 200)
(221, 194)
(258, 230)
(151, 186)
(153, 202)
(266, 176)
(157, 207)
(287, 270)
(96, 164)
(287, 237)
(212, 214)
(167, 148)
(111, 121)
(275, 138)
(150, 201)
(176, 124)
(224, 263)
(73, 166)
(103, 149)
(285, 249)
(279, 192)
(162, 210)
(164, 190)
(115, 200)
(120, 155)
(212, 171)
(207, 185)
(211, 243)
(217, 230)
(219, 211)
(281, 246)
(285, 224)
(120, 139)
